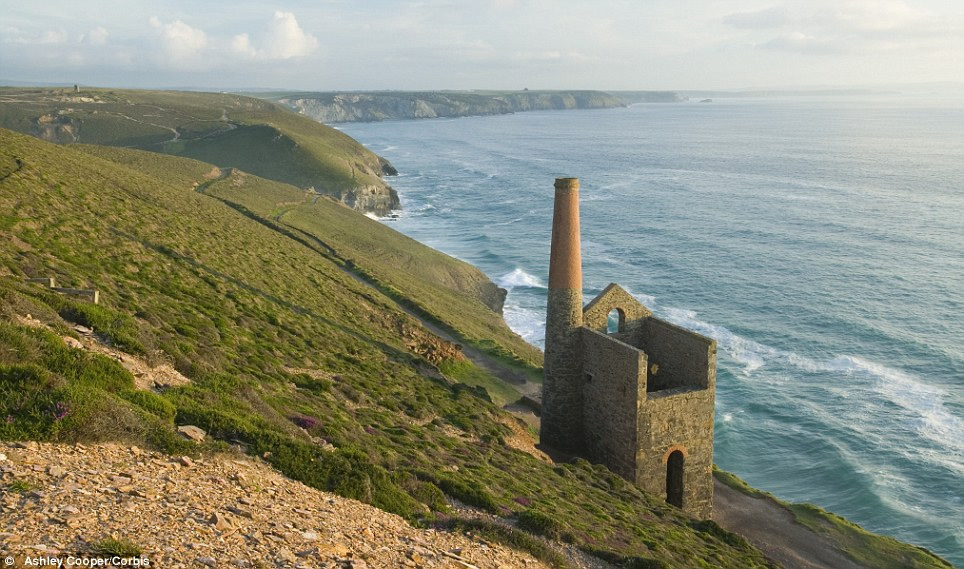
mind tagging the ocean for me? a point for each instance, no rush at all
(820, 241)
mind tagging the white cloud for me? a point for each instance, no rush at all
(53, 37)
(241, 45)
(284, 38)
(96, 36)
(180, 44)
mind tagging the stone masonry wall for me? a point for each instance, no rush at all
(562, 394)
(680, 419)
(614, 384)
(596, 313)
(683, 422)
(682, 356)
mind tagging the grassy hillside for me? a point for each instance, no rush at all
(288, 356)
(446, 290)
(227, 130)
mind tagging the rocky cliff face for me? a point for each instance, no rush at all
(380, 199)
(368, 107)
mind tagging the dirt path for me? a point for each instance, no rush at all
(773, 531)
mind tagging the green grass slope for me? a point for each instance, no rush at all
(449, 292)
(289, 358)
(226, 130)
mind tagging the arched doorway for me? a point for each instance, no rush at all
(674, 479)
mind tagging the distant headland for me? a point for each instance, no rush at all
(372, 106)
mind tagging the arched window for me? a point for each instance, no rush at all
(616, 321)
(674, 479)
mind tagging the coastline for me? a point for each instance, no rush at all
(856, 366)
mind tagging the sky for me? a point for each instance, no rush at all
(482, 44)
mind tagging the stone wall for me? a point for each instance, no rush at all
(614, 384)
(678, 421)
(632, 312)
(562, 395)
(682, 356)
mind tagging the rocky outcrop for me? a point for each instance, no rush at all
(380, 106)
(379, 200)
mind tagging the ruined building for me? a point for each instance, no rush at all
(637, 396)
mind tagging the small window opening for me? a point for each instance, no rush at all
(588, 378)
(616, 321)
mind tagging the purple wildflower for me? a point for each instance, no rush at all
(60, 411)
(306, 422)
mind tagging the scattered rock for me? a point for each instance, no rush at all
(221, 522)
(285, 554)
(219, 513)
(192, 432)
(185, 461)
(57, 471)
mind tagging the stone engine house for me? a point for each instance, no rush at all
(637, 397)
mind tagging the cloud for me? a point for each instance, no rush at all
(15, 35)
(825, 26)
(802, 43)
(284, 38)
(96, 36)
(53, 37)
(180, 44)
(773, 17)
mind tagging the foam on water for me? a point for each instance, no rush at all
(518, 278)
(526, 322)
(926, 402)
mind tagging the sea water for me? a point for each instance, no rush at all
(819, 241)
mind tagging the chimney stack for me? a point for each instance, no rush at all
(562, 389)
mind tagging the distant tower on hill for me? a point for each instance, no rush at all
(623, 388)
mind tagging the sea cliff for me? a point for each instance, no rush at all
(394, 105)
